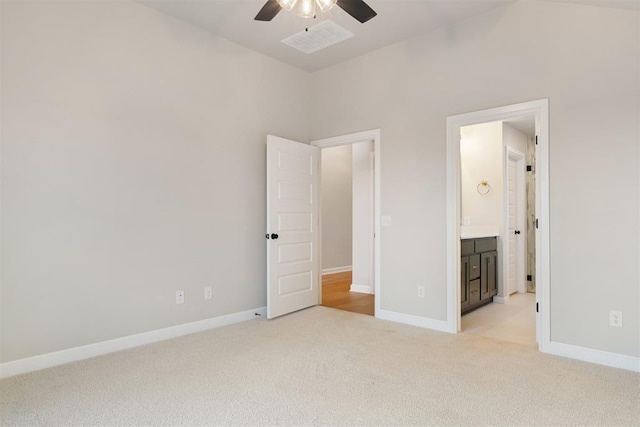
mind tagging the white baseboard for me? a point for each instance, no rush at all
(335, 270)
(21, 366)
(591, 355)
(361, 288)
(501, 300)
(409, 319)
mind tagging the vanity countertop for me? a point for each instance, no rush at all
(477, 232)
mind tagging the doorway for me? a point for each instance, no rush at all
(455, 220)
(348, 222)
(494, 230)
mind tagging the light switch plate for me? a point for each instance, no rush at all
(385, 221)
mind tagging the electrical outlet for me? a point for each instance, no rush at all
(208, 292)
(420, 291)
(615, 318)
(385, 221)
(466, 220)
(179, 297)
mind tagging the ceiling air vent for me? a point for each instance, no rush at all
(318, 37)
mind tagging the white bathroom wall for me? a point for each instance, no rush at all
(336, 208)
(514, 138)
(481, 153)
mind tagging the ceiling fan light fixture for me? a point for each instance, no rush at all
(358, 9)
(307, 8)
(325, 5)
(287, 4)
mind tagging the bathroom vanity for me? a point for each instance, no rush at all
(478, 278)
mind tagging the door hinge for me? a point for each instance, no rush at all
(537, 308)
(536, 139)
(536, 222)
(529, 278)
(529, 168)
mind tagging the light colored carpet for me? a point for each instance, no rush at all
(514, 321)
(323, 366)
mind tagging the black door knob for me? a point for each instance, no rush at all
(517, 231)
(274, 236)
(267, 235)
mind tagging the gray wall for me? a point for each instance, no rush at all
(133, 162)
(585, 60)
(363, 225)
(133, 165)
(337, 201)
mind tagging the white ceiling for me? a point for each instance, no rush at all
(397, 20)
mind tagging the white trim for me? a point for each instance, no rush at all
(352, 138)
(335, 270)
(540, 109)
(374, 136)
(21, 366)
(543, 295)
(591, 355)
(361, 289)
(501, 300)
(409, 319)
(372, 208)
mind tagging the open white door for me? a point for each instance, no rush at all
(292, 226)
(516, 220)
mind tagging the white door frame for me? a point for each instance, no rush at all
(521, 243)
(539, 108)
(372, 135)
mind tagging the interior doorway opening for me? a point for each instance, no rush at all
(349, 189)
(460, 228)
(346, 215)
(497, 229)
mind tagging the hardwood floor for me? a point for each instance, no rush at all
(336, 294)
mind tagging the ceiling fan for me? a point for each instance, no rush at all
(307, 8)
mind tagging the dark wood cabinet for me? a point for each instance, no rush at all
(488, 279)
(478, 276)
(464, 283)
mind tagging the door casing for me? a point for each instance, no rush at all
(540, 109)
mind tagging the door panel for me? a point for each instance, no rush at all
(474, 291)
(292, 226)
(489, 274)
(464, 282)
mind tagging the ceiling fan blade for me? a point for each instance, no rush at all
(268, 11)
(358, 9)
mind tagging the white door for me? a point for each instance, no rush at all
(292, 226)
(515, 220)
(512, 209)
